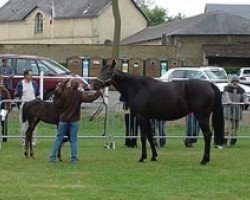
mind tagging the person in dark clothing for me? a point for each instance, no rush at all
(8, 72)
(192, 130)
(232, 95)
(160, 126)
(5, 108)
(70, 103)
(131, 127)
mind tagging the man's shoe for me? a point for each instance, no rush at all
(188, 144)
(218, 147)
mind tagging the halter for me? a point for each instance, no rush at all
(104, 82)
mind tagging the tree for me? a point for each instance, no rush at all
(144, 4)
(117, 29)
(179, 16)
(156, 15)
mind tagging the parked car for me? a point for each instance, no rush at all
(208, 73)
(217, 75)
(244, 75)
(53, 71)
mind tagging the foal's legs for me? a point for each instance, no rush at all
(28, 137)
(204, 124)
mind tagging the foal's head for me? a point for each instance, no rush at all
(106, 75)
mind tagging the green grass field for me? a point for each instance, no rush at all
(116, 174)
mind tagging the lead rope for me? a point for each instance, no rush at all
(99, 109)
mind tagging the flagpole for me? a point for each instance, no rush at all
(51, 21)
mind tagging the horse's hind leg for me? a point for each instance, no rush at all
(152, 145)
(26, 146)
(29, 135)
(31, 148)
(204, 124)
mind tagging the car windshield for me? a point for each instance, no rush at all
(216, 74)
(55, 67)
(246, 71)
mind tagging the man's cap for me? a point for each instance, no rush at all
(235, 79)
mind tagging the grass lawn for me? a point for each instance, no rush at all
(116, 173)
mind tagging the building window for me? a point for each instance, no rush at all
(39, 23)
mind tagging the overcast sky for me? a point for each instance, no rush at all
(185, 7)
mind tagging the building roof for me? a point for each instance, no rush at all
(212, 23)
(17, 10)
(241, 10)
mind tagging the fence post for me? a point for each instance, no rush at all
(41, 81)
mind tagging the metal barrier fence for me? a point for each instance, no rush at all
(110, 125)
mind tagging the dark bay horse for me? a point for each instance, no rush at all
(150, 98)
(38, 110)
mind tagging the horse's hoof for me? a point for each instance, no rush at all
(141, 160)
(204, 161)
(153, 159)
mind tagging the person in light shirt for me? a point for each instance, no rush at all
(27, 89)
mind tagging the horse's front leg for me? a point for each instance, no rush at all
(143, 147)
(59, 153)
(144, 123)
(152, 145)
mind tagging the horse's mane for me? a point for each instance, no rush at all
(135, 80)
(130, 84)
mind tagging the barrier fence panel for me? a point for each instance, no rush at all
(110, 124)
(87, 129)
(173, 129)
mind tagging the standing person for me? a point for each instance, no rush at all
(192, 130)
(8, 72)
(232, 95)
(69, 117)
(131, 127)
(5, 109)
(27, 89)
(160, 125)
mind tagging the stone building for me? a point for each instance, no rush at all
(66, 21)
(212, 38)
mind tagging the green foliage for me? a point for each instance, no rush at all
(144, 4)
(156, 15)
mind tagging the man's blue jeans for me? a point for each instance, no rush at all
(193, 128)
(61, 131)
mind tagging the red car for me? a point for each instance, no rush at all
(53, 71)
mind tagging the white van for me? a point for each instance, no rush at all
(208, 73)
(217, 75)
(244, 75)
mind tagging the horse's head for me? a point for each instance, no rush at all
(106, 75)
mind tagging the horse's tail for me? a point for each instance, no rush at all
(24, 117)
(218, 117)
